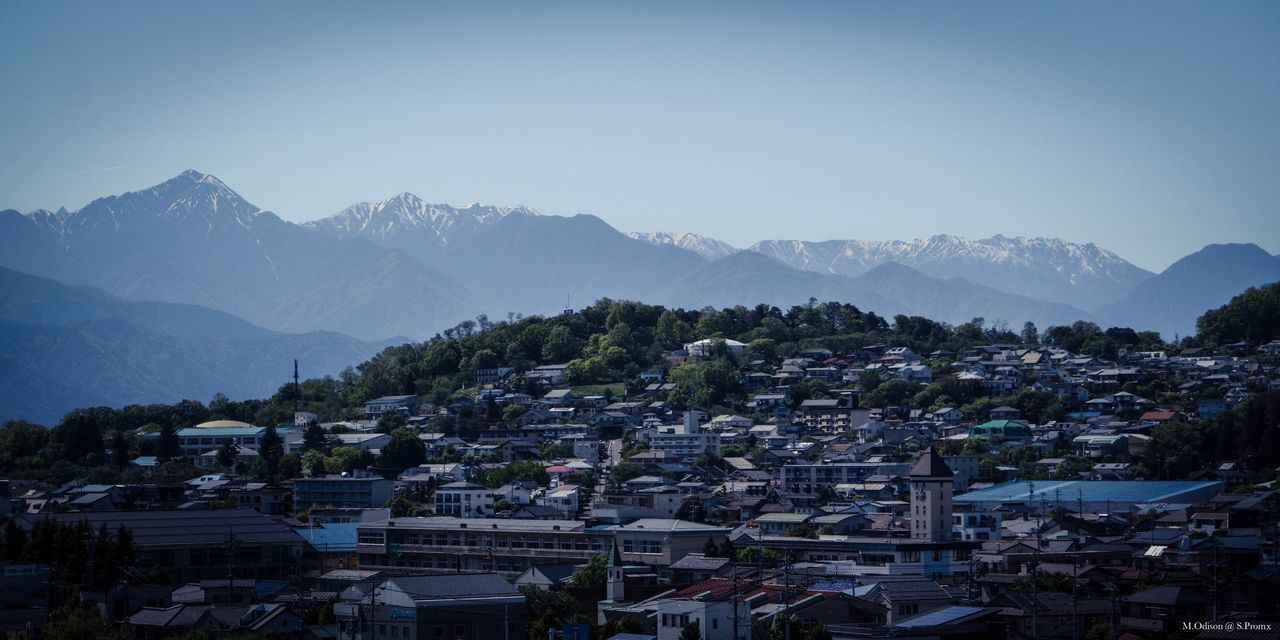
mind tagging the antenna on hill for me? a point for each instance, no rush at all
(297, 391)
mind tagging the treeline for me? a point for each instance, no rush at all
(1253, 316)
(77, 555)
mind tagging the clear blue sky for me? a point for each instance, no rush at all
(1151, 128)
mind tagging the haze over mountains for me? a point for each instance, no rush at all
(406, 267)
(63, 347)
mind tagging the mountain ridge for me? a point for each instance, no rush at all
(65, 347)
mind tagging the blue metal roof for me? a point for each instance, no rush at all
(1093, 491)
(332, 537)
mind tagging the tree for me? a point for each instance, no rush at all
(119, 450)
(313, 463)
(403, 451)
(167, 446)
(711, 549)
(79, 621)
(390, 421)
(691, 631)
(1030, 336)
(591, 575)
(270, 450)
(314, 438)
(227, 453)
(290, 466)
(402, 506)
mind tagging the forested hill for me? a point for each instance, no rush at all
(614, 341)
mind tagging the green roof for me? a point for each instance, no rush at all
(1003, 428)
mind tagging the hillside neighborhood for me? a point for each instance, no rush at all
(1005, 489)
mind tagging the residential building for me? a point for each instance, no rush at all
(342, 491)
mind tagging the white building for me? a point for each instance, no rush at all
(686, 439)
(464, 500)
(704, 348)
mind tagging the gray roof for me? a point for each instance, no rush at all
(698, 562)
(169, 528)
(455, 585)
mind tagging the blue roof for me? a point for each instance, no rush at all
(1093, 491)
(145, 461)
(221, 431)
(937, 617)
(339, 536)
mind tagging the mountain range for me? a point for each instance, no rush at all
(406, 267)
(64, 347)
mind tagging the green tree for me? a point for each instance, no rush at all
(691, 631)
(314, 438)
(403, 451)
(167, 446)
(227, 454)
(390, 421)
(77, 622)
(591, 575)
(119, 450)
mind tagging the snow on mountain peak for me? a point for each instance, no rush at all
(407, 213)
(708, 248)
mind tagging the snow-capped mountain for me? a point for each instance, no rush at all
(408, 222)
(1084, 275)
(191, 239)
(709, 248)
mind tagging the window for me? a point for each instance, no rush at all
(459, 630)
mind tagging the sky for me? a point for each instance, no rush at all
(1150, 128)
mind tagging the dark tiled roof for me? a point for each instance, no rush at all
(931, 465)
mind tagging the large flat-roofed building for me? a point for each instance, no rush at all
(474, 606)
(811, 478)
(209, 436)
(192, 545)
(342, 491)
(445, 544)
(401, 404)
(1099, 496)
(872, 556)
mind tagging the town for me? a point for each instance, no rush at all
(627, 472)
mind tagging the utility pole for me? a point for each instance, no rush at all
(786, 593)
(1075, 597)
(733, 566)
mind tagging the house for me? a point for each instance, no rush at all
(494, 375)
(564, 499)
(400, 404)
(949, 415)
(547, 577)
(464, 500)
(550, 374)
(1005, 412)
(157, 622)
